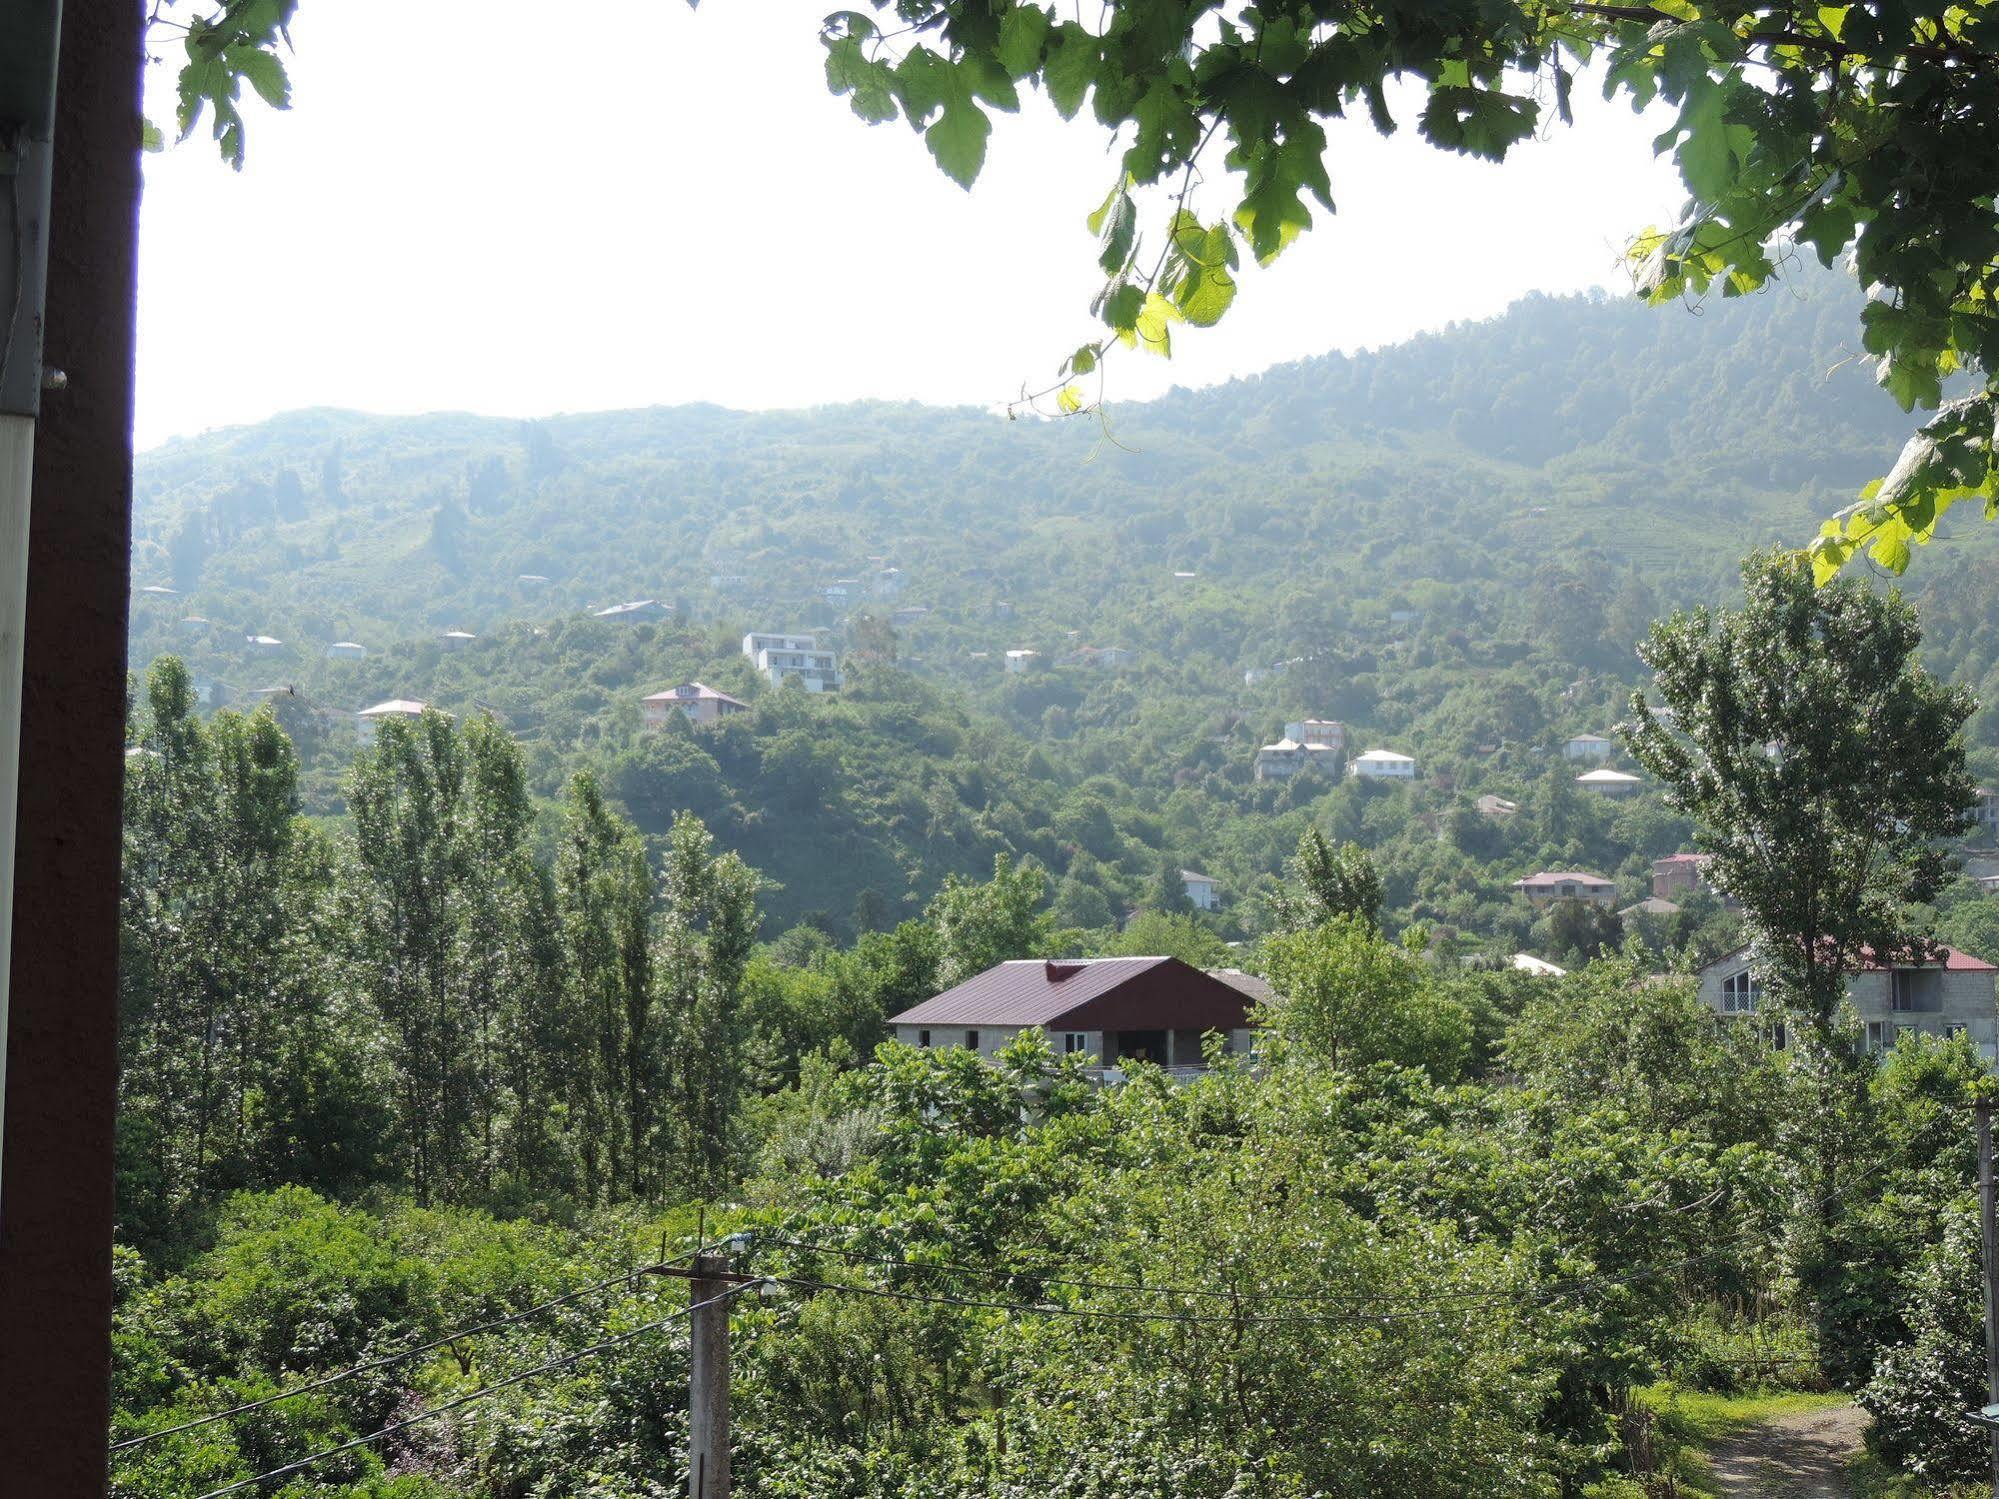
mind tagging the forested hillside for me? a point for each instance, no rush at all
(1450, 545)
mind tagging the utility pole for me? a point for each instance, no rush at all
(1988, 1232)
(711, 1285)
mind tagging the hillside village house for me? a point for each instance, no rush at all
(456, 640)
(1498, 808)
(781, 658)
(1609, 782)
(1113, 1009)
(346, 650)
(1950, 995)
(1319, 734)
(369, 719)
(1202, 890)
(1985, 814)
(1544, 889)
(1383, 765)
(1019, 660)
(1678, 874)
(263, 645)
(695, 701)
(196, 624)
(1100, 657)
(1588, 747)
(889, 582)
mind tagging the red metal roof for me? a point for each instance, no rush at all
(1088, 994)
(1953, 961)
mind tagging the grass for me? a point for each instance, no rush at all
(1689, 1421)
(1873, 1479)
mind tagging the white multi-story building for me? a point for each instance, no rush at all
(1019, 661)
(1319, 734)
(1382, 765)
(780, 658)
(1985, 812)
(1588, 747)
(1202, 890)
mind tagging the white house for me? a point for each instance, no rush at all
(346, 650)
(370, 719)
(757, 641)
(456, 640)
(1588, 747)
(1609, 782)
(632, 612)
(1950, 995)
(1319, 734)
(1382, 765)
(782, 658)
(195, 624)
(1201, 890)
(695, 701)
(889, 582)
(533, 580)
(263, 645)
(1019, 661)
(1985, 813)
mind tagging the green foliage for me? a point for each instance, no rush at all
(1347, 997)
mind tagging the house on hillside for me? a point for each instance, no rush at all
(695, 701)
(263, 645)
(1382, 765)
(889, 582)
(196, 624)
(1588, 747)
(1678, 874)
(1950, 994)
(1018, 661)
(1326, 734)
(1985, 814)
(346, 650)
(785, 658)
(1099, 657)
(1608, 782)
(1497, 808)
(1202, 890)
(632, 613)
(532, 580)
(456, 640)
(1544, 889)
(369, 719)
(1652, 905)
(1113, 1009)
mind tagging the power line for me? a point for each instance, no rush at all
(390, 1359)
(479, 1394)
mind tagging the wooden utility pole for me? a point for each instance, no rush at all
(1988, 1231)
(708, 1378)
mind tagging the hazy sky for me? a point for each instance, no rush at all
(474, 206)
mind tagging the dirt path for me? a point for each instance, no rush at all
(1802, 1456)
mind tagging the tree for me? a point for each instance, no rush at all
(1169, 891)
(1824, 767)
(604, 900)
(406, 794)
(980, 925)
(1324, 885)
(1346, 996)
(707, 927)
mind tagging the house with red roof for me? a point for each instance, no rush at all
(1942, 993)
(696, 701)
(1116, 1010)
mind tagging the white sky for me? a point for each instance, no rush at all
(491, 207)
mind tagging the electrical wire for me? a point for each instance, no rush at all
(479, 1394)
(388, 1360)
